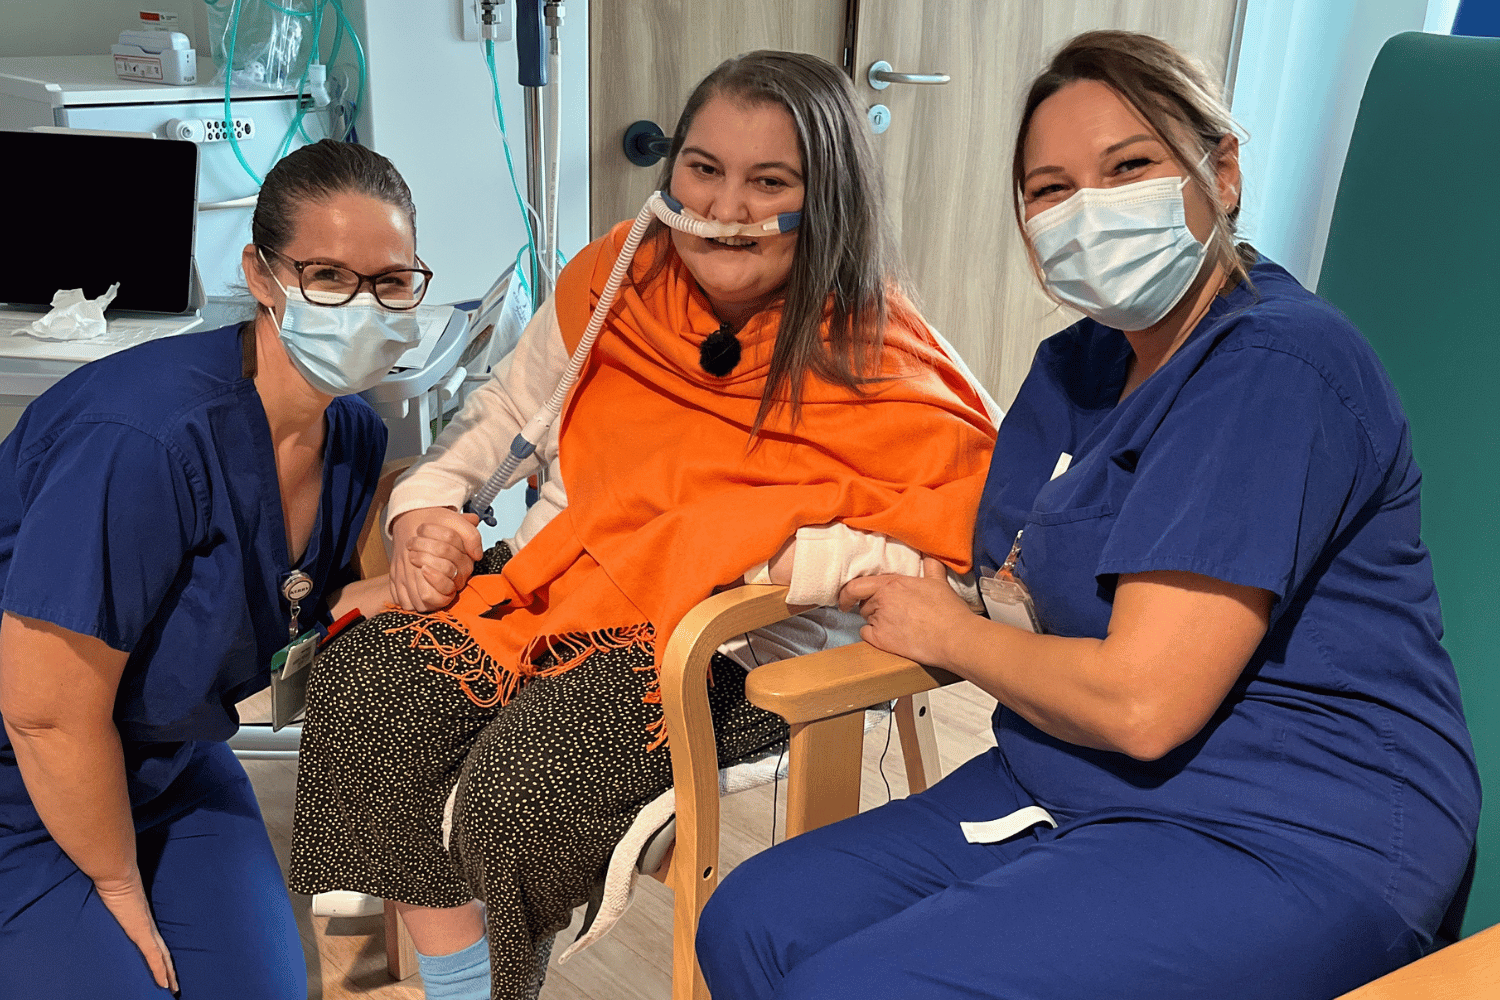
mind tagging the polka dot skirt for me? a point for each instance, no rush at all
(547, 785)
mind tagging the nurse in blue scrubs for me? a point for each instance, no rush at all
(153, 506)
(1234, 762)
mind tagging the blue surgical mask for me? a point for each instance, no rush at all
(1123, 256)
(345, 349)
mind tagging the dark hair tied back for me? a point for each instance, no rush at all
(319, 171)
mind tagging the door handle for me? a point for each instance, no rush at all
(882, 75)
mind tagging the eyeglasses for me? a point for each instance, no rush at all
(334, 284)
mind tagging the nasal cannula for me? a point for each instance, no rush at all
(671, 212)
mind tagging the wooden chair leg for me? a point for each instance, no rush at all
(400, 952)
(688, 898)
(918, 742)
(824, 761)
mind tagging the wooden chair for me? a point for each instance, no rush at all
(823, 697)
(1468, 970)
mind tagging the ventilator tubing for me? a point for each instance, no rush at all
(672, 213)
(535, 430)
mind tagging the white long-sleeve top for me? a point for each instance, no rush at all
(478, 439)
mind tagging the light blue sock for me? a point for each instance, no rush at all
(463, 975)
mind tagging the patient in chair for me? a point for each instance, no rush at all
(763, 408)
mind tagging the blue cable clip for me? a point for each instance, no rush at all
(486, 516)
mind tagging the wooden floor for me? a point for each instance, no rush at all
(346, 957)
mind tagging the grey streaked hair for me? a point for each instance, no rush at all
(844, 247)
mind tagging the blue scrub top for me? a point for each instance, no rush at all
(1270, 451)
(139, 504)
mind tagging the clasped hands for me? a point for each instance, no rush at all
(918, 617)
(434, 550)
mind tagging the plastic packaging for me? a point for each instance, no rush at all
(265, 42)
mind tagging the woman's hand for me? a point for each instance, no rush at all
(57, 693)
(126, 901)
(1177, 642)
(432, 556)
(910, 616)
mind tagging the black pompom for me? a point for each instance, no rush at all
(718, 354)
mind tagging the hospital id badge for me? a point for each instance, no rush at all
(289, 675)
(1007, 601)
(1006, 598)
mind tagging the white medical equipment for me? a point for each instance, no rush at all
(155, 57)
(82, 92)
(425, 379)
(658, 207)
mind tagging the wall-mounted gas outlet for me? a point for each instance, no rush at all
(473, 24)
(209, 129)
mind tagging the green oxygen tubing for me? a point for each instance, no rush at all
(314, 73)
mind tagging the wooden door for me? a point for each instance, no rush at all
(645, 57)
(948, 149)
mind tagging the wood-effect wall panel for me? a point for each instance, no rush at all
(645, 57)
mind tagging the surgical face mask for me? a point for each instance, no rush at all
(1123, 256)
(345, 349)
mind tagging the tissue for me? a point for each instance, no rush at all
(74, 316)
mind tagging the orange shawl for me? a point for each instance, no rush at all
(668, 496)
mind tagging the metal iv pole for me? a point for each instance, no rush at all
(537, 51)
(537, 25)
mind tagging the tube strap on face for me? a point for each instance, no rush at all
(785, 221)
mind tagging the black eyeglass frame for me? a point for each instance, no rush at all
(298, 265)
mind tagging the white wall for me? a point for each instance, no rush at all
(87, 27)
(429, 109)
(1300, 75)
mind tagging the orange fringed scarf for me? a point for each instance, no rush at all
(669, 498)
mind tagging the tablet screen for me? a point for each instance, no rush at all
(87, 211)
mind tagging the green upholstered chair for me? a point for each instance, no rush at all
(1413, 258)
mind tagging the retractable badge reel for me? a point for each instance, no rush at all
(1006, 598)
(289, 664)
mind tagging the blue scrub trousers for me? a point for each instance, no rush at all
(215, 888)
(894, 903)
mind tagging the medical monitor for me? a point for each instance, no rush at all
(88, 210)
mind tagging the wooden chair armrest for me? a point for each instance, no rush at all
(1466, 970)
(684, 692)
(370, 555)
(804, 690)
(838, 681)
(695, 760)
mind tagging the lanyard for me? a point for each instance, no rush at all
(1006, 597)
(294, 588)
(1007, 569)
